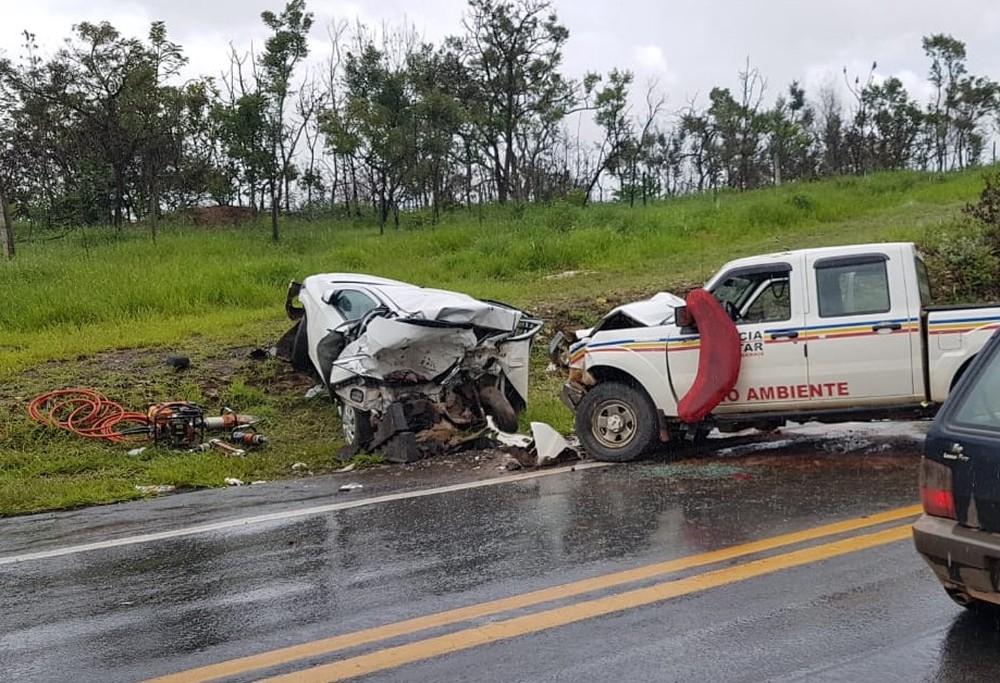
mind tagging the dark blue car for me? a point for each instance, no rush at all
(959, 532)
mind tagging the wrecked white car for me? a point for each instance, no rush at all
(413, 370)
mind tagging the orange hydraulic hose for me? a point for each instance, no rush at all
(87, 413)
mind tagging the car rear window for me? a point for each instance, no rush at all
(979, 405)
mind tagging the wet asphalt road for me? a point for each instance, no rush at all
(131, 592)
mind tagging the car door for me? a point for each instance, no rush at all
(765, 302)
(859, 329)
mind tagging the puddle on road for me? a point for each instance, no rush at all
(878, 446)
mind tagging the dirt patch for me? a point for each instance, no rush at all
(150, 372)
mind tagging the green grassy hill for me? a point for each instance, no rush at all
(100, 309)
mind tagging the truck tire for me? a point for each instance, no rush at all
(616, 422)
(300, 348)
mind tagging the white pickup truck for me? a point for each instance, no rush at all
(828, 334)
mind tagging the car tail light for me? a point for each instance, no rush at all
(935, 489)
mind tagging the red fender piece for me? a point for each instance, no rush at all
(718, 357)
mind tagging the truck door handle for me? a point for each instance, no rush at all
(788, 334)
(886, 326)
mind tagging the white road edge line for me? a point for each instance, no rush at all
(291, 514)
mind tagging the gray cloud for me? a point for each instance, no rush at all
(689, 46)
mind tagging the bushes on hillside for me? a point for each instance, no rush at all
(964, 257)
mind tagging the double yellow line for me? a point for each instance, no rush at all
(391, 657)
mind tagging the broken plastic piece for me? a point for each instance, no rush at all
(350, 487)
(549, 444)
(233, 481)
(159, 488)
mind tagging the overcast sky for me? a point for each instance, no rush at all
(687, 46)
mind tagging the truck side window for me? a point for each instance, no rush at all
(772, 303)
(852, 288)
(755, 293)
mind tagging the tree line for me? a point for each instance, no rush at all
(104, 131)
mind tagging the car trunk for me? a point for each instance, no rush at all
(975, 464)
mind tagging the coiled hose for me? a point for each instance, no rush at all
(88, 413)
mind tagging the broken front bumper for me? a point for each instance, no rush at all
(571, 395)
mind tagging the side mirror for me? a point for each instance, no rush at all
(683, 317)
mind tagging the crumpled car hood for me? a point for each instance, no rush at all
(395, 345)
(430, 331)
(656, 310)
(453, 308)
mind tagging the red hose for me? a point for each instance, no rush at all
(87, 413)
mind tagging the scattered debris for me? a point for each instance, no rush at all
(546, 446)
(179, 363)
(315, 391)
(348, 468)
(220, 445)
(351, 487)
(299, 466)
(263, 354)
(159, 488)
(233, 481)
(509, 438)
(137, 451)
(549, 444)
(173, 424)
(569, 273)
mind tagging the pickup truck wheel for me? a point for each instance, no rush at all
(616, 422)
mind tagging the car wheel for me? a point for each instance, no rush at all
(497, 405)
(300, 348)
(355, 425)
(616, 422)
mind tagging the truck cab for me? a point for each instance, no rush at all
(829, 333)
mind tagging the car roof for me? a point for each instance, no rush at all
(346, 279)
